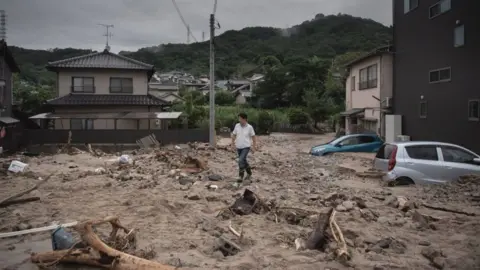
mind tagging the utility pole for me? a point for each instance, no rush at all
(212, 82)
(108, 35)
(203, 36)
(188, 34)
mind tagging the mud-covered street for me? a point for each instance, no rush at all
(180, 215)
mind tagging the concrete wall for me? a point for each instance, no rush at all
(102, 80)
(105, 111)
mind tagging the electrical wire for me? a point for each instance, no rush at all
(215, 7)
(183, 20)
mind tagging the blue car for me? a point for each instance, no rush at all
(369, 143)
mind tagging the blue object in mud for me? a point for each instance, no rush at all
(61, 239)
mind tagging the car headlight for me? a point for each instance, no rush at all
(316, 150)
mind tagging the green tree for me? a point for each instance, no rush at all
(31, 97)
(297, 116)
(224, 98)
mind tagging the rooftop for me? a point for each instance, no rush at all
(133, 100)
(8, 56)
(378, 51)
(103, 60)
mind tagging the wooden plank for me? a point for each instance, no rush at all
(36, 230)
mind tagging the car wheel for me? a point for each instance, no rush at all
(402, 181)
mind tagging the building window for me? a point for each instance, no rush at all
(423, 109)
(409, 5)
(459, 36)
(83, 85)
(474, 110)
(352, 83)
(440, 75)
(121, 85)
(440, 7)
(81, 124)
(368, 77)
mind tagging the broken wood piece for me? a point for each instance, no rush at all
(26, 191)
(98, 253)
(17, 201)
(36, 230)
(439, 208)
(237, 234)
(317, 238)
(342, 251)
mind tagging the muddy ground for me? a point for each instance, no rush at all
(178, 217)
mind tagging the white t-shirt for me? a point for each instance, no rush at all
(243, 135)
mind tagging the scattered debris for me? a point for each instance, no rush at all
(97, 253)
(17, 166)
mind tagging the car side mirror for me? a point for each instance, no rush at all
(338, 145)
(476, 161)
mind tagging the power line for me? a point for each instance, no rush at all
(183, 20)
(215, 7)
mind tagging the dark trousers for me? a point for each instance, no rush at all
(242, 162)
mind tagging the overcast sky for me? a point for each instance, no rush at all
(43, 24)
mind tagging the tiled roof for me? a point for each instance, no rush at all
(75, 99)
(376, 52)
(103, 59)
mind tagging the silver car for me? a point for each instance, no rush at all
(425, 162)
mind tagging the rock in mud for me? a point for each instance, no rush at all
(215, 177)
(349, 205)
(341, 208)
(435, 256)
(194, 196)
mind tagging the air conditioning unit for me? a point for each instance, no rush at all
(157, 122)
(388, 102)
(403, 138)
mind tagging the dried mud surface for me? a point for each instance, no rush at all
(177, 216)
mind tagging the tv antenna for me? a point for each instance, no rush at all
(108, 34)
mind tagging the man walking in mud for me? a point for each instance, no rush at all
(243, 140)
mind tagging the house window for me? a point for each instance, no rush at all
(368, 77)
(83, 85)
(423, 109)
(81, 124)
(121, 85)
(459, 36)
(409, 5)
(440, 7)
(352, 83)
(474, 110)
(440, 75)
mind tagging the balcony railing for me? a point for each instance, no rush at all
(83, 89)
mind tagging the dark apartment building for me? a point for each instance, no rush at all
(437, 70)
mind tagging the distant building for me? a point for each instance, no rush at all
(103, 91)
(368, 91)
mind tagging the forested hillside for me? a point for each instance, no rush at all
(237, 52)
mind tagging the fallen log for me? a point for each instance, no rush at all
(439, 208)
(26, 191)
(98, 253)
(17, 201)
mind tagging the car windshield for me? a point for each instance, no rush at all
(336, 141)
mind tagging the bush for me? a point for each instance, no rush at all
(297, 116)
(264, 123)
